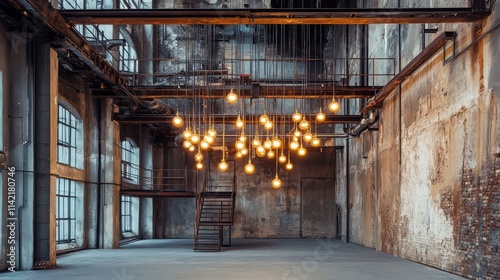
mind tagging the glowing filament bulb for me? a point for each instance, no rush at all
(308, 136)
(177, 121)
(320, 117)
(334, 105)
(249, 168)
(232, 97)
(223, 165)
(239, 123)
(296, 117)
(276, 183)
(315, 142)
(282, 158)
(302, 151)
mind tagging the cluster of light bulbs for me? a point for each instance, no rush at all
(269, 147)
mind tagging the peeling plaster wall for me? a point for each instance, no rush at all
(426, 185)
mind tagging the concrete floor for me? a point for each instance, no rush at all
(261, 259)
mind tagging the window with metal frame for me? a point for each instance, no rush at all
(126, 213)
(130, 168)
(65, 210)
(67, 128)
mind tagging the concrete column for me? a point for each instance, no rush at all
(21, 144)
(4, 89)
(110, 178)
(146, 203)
(45, 128)
(91, 191)
(158, 202)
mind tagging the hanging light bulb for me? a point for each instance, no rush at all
(244, 151)
(270, 154)
(243, 138)
(276, 183)
(260, 151)
(308, 136)
(320, 117)
(232, 97)
(208, 138)
(256, 142)
(315, 142)
(239, 155)
(239, 145)
(296, 117)
(289, 166)
(302, 151)
(276, 143)
(187, 133)
(204, 144)
(249, 168)
(195, 138)
(199, 165)
(297, 133)
(268, 125)
(294, 145)
(334, 105)
(223, 165)
(177, 121)
(304, 124)
(239, 123)
(192, 148)
(282, 158)
(198, 157)
(212, 132)
(267, 144)
(264, 118)
(186, 144)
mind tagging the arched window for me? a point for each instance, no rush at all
(69, 192)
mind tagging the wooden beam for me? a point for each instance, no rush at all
(275, 16)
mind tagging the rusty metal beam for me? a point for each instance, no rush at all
(53, 20)
(256, 91)
(275, 16)
(153, 118)
(155, 193)
(428, 52)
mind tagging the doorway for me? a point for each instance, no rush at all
(318, 208)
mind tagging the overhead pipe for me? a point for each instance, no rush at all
(158, 106)
(363, 125)
(427, 53)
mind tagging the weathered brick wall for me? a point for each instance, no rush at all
(478, 230)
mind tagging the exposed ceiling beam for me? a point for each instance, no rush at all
(275, 16)
(255, 91)
(43, 14)
(153, 118)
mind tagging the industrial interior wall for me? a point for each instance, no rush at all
(426, 185)
(260, 210)
(74, 95)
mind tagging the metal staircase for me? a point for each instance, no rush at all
(214, 214)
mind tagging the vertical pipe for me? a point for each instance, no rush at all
(348, 103)
(99, 177)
